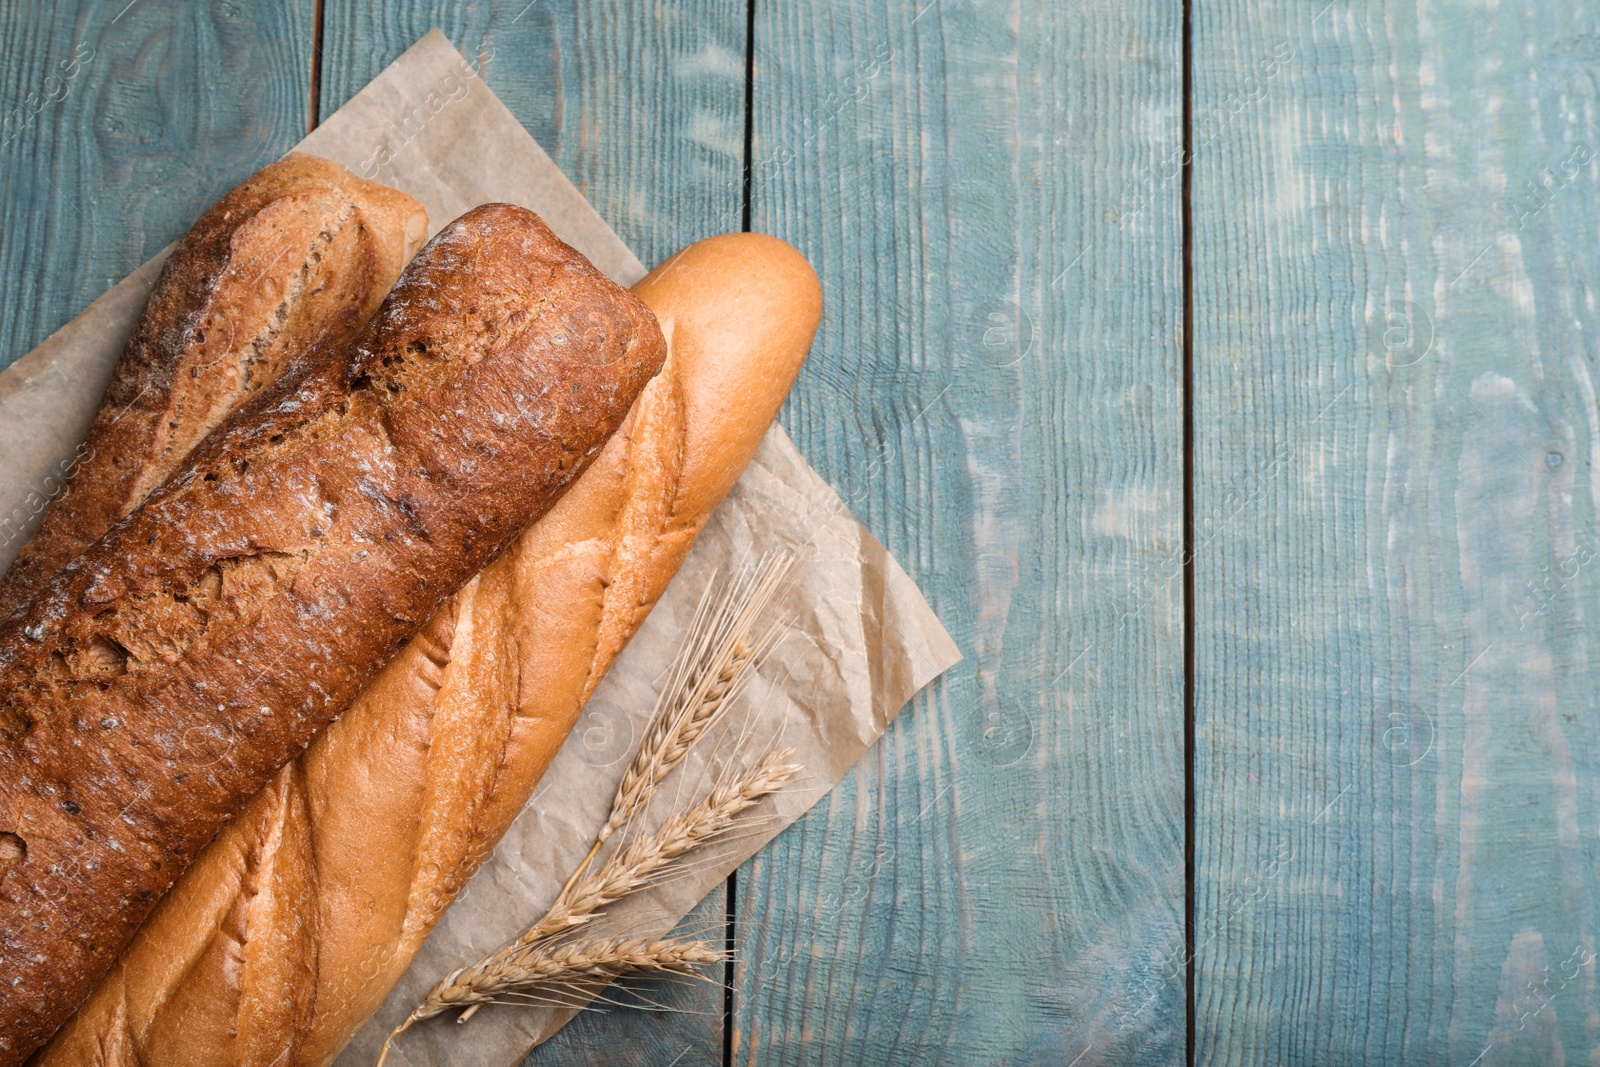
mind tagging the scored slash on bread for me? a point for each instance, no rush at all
(156, 684)
(289, 930)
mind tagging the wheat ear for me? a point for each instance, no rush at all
(531, 971)
(711, 668)
(633, 867)
(544, 969)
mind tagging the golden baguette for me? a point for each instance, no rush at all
(290, 929)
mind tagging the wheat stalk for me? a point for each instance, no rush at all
(634, 867)
(551, 971)
(529, 969)
(722, 652)
(711, 668)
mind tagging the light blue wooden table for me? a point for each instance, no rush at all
(1227, 377)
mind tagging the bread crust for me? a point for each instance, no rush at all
(298, 256)
(411, 789)
(160, 680)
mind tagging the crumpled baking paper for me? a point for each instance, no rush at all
(858, 639)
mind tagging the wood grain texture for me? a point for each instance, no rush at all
(119, 124)
(1396, 231)
(996, 391)
(643, 108)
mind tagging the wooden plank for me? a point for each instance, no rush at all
(119, 124)
(1396, 246)
(997, 392)
(643, 108)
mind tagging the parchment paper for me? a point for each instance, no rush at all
(859, 639)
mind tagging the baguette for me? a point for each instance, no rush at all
(158, 682)
(297, 257)
(290, 929)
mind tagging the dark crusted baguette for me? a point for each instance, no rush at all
(153, 686)
(299, 255)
